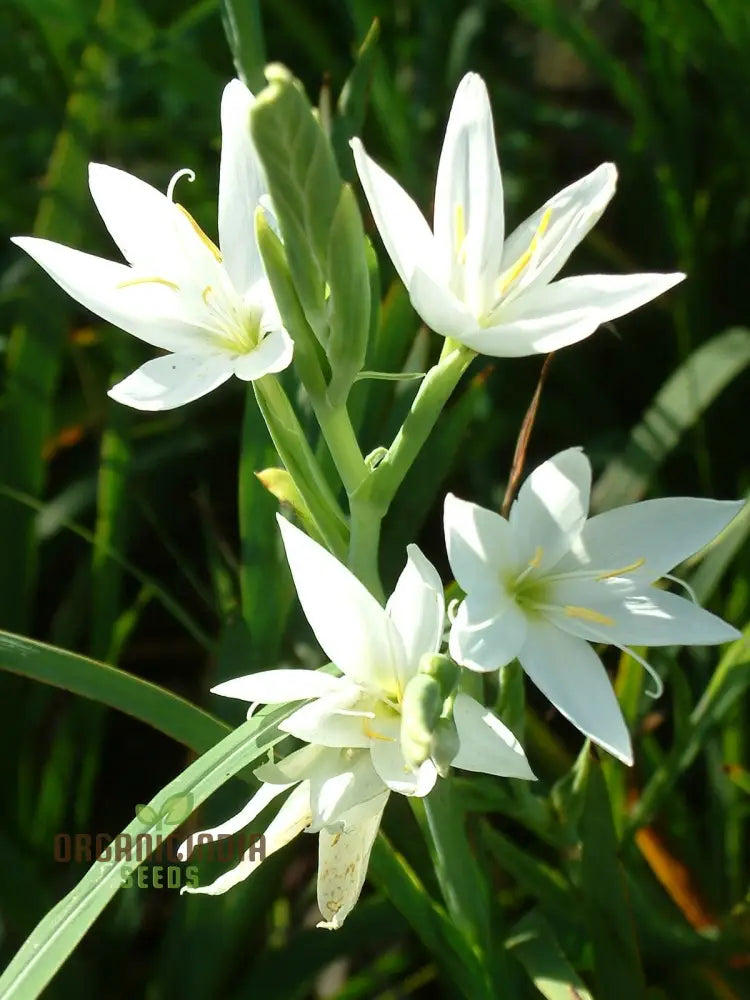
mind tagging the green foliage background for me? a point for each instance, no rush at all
(118, 534)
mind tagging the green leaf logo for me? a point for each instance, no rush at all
(146, 814)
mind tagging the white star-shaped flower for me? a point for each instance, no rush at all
(211, 308)
(547, 581)
(352, 723)
(466, 280)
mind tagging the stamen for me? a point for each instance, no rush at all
(205, 293)
(622, 571)
(185, 172)
(460, 225)
(538, 553)
(682, 583)
(506, 280)
(588, 615)
(146, 281)
(452, 610)
(371, 734)
(659, 683)
(204, 239)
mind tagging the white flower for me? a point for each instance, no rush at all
(352, 723)
(466, 282)
(544, 583)
(213, 310)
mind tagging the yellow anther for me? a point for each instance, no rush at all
(588, 615)
(149, 281)
(623, 570)
(507, 279)
(204, 239)
(372, 735)
(205, 293)
(460, 224)
(538, 554)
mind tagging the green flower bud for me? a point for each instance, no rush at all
(443, 670)
(444, 745)
(421, 706)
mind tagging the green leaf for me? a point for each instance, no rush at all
(617, 964)
(244, 31)
(349, 281)
(352, 102)
(167, 712)
(304, 183)
(63, 927)
(534, 944)
(676, 407)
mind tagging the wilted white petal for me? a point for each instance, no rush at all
(655, 534)
(290, 820)
(486, 745)
(241, 187)
(349, 781)
(164, 383)
(401, 225)
(568, 672)
(480, 545)
(551, 509)
(273, 687)
(350, 625)
(417, 609)
(342, 866)
(488, 631)
(273, 354)
(256, 805)
(469, 220)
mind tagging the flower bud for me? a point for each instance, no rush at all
(443, 670)
(421, 706)
(444, 745)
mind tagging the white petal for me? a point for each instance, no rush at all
(164, 383)
(568, 672)
(402, 227)
(273, 354)
(439, 307)
(241, 186)
(290, 820)
(469, 220)
(486, 745)
(389, 762)
(350, 625)
(417, 609)
(487, 633)
(573, 212)
(274, 687)
(332, 721)
(480, 545)
(150, 310)
(660, 532)
(153, 232)
(652, 618)
(256, 805)
(350, 781)
(565, 312)
(295, 767)
(342, 866)
(551, 509)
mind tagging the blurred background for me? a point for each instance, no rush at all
(118, 530)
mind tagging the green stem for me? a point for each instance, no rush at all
(295, 452)
(363, 546)
(437, 387)
(339, 435)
